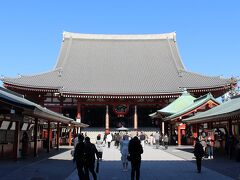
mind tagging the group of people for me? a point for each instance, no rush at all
(131, 150)
(158, 139)
(208, 144)
(85, 154)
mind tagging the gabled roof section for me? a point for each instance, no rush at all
(226, 109)
(119, 65)
(196, 103)
(51, 80)
(17, 100)
(184, 101)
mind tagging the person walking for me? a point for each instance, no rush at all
(109, 139)
(117, 140)
(165, 141)
(142, 138)
(99, 146)
(124, 152)
(135, 150)
(203, 141)
(79, 157)
(90, 151)
(157, 139)
(210, 144)
(198, 153)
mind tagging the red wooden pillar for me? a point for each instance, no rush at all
(163, 128)
(181, 127)
(179, 135)
(16, 141)
(195, 130)
(35, 137)
(78, 118)
(58, 135)
(107, 120)
(135, 123)
(48, 137)
(70, 137)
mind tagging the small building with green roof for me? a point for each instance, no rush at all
(183, 107)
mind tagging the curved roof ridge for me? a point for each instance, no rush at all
(31, 75)
(190, 72)
(119, 36)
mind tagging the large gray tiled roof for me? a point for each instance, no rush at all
(119, 65)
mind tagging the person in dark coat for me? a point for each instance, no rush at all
(90, 151)
(198, 153)
(135, 150)
(79, 157)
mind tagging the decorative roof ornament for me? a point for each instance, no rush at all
(234, 90)
(184, 91)
(2, 77)
(60, 72)
(174, 36)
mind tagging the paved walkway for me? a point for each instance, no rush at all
(156, 164)
(53, 165)
(174, 163)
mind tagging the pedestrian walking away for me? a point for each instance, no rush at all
(79, 157)
(165, 141)
(90, 151)
(142, 138)
(99, 146)
(124, 152)
(109, 139)
(157, 139)
(135, 150)
(198, 153)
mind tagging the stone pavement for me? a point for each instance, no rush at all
(174, 163)
(53, 165)
(156, 164)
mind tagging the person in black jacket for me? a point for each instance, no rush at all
(79, 156)
(135, 150)
(198, 153)
(90, 150)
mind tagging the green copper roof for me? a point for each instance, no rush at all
(227, 109)
(178, 105)
(194, 104)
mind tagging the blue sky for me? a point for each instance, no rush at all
(207, 31)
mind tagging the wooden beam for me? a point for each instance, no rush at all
(58, 135)
(48, 137)
(35, 138)
(16, 141)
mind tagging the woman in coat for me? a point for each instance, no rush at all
(124, 152)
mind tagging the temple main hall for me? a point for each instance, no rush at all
(109, 81)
